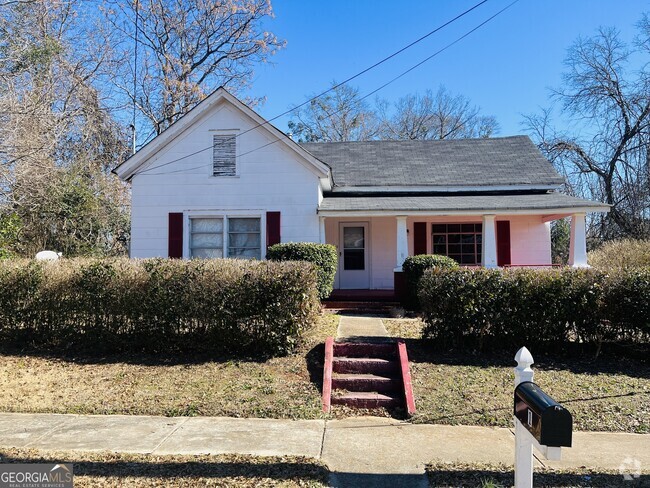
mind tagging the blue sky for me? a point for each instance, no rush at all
(506, 67)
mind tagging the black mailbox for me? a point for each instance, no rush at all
(548, 421)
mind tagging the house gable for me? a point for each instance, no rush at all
(154, 156)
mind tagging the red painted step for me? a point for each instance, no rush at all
(365, 399)
(366, 382)
(364, 365)
(367, 375)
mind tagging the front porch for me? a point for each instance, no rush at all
(372, 248)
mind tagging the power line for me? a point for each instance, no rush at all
(338, 85)
(457, 40)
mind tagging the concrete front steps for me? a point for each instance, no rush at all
(367, 375)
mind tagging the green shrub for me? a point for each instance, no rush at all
(621, 254)
(158, 305)
(541, 308)
(627, 303)
(324, 256)
(414, 268)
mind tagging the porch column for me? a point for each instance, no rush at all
(489, 242)
(402, 242)
(578, 243)
(321, 229)
(402, 253)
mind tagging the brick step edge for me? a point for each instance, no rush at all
(364, 365)
(380, 350)
(367, 400)
(366, 383)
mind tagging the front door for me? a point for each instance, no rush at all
(354, 262)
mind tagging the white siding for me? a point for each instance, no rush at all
(269, 179)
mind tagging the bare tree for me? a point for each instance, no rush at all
(188, 48)
(340, 115)
(436, 116)
(57, 139)
(606, 156)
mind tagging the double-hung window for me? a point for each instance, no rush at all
(218, 237)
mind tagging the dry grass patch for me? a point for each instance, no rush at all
(139, 471)
(603, 395)
(145, 385)
(443, 475)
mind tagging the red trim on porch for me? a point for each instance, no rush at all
(327, 374)
(503, 243)
(419, 238)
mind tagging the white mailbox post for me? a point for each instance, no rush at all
(547, 422)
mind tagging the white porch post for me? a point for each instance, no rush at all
(402, 242)
(578, 244)
(489, 242)
(321, 229)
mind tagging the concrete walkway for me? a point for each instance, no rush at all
(362, 451)
(360, 329)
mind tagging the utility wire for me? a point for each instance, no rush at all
(338, 85)
(457, 40)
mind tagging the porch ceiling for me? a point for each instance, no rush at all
(544, 203)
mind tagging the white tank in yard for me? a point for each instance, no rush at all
(48, 256)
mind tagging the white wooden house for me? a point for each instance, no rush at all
(223, 182)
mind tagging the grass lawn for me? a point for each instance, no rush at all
(603, 395)
(498, 476)
(138, 471)
(145, 385)
(607, 394)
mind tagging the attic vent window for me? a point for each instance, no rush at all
(223, 155)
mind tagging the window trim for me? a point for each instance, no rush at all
(477, 246)
(225, 215)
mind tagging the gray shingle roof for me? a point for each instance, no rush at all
(545, 201)
(503, 161)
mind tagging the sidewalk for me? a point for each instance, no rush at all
(352, 448)
(361, 329)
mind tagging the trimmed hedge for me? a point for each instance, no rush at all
(157, 305)
(627, 303)
(509, 308)
(414, 268)
(324, 256)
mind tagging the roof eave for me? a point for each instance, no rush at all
(472, 212)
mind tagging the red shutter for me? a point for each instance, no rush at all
(175, 240)
(503, 243)
(419, 238)
(272, 228)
